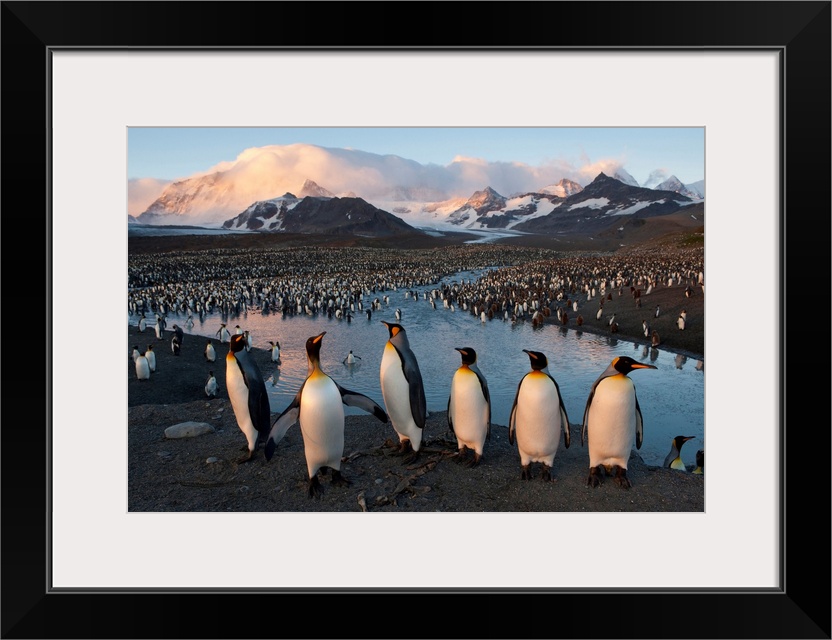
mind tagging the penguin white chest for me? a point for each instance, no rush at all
(537, 419)
(469, 409)
(611, 422)
(396, 393)
(321, 420)
(142, 368)
(238, 394)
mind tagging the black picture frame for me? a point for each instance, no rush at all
(800, 31)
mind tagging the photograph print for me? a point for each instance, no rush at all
(416, 319)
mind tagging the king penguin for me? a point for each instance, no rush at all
(211, 385)
(275, 350)
(180, 335)
(151, 358)
(537, 417)
(142, 323)
(699, 469)
(318, 406)
(673, 460)
(160, 327)
(469, 408)
(142, 368)
(210, 352)
(613, 422)
(248, 395)
(403, 391)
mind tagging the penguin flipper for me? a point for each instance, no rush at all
(360, 401)
(258, 398)
(586, 410)
(450, 415)
(487, 396)
(639, 426)
(564, 419)
(281, 425)
(418, 402)
(511, 421)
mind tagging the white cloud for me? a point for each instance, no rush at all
(263, 173)
(141, 192)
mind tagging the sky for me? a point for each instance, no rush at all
(158, 155)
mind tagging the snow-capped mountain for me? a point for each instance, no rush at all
(622, 176)
(244, 194)
(697, 188)
(564, 188)
(311, 188)
(674, 184)
(319, 214)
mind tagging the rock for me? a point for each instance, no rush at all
(188, 430)
(212, 460)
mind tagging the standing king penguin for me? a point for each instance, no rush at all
(469, 408)
(318, 406)
(210, 351)
(275, 351)
(151, 358)
(248, 395)
(180, 335)
(699, 468)
(160, 327)
(613, 422)
(673, 460)
(537, 417)
(403, 391)
(142, 368)
(211, 386)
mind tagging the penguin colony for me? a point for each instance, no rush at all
(612, 422)
(401, 384)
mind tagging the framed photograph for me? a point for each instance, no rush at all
(755, 75)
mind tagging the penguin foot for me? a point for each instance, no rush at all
(546, 474)
(594, 478)
(245, 457)
(406, 450)
(461, 455)
(526, 472)
(621, 477)
(473, 460)
(403, 448)
(339, 480)
(314, 489)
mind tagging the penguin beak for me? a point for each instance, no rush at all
(318, 338)
(644, 366)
